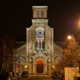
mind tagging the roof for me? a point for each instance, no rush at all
(59, 44)
(18, 44)
(39, 6)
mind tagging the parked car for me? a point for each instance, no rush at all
(56, 74)
(25, 74)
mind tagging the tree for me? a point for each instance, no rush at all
(6, 50)
(70, 54)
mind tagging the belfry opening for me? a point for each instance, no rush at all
(39, 66)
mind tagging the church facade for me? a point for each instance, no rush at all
(39, 53)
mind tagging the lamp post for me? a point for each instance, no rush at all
(26, 67)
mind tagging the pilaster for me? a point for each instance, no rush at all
(41, 44)
(38, 44)
(45, 13)
(33, 37)
(46, 35)
(52, 44)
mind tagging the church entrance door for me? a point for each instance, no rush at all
(39, 66)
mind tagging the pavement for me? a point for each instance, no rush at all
(39, 77)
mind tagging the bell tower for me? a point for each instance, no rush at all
(40, 21)
(39, 11)
(39, 42)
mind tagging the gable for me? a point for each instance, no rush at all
(39, 53)
(57, 59)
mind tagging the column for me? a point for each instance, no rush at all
(46, 29)
(41, 44)
(38, 44)
(33, 36)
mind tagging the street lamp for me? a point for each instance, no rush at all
(26, 67)
(69, 37)
(79, 23)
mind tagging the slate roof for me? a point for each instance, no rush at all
(59, 44)
(18, 44)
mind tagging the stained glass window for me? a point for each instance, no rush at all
(39, 45)
(47, 46)
(42, 44)
(39, 33)
(31, 47)
(36, 45)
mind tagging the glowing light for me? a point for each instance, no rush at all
(25, 66)
(52, 66)
(79, 23)
(69, 37)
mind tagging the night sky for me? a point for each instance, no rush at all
(15, 17)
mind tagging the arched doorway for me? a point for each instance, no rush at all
(39, 66)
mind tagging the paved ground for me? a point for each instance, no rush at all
(39, 77)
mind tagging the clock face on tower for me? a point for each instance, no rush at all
(39, 33)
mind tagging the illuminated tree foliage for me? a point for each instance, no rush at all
(70, 54)
(6, 50)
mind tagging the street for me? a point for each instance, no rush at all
(39, 77)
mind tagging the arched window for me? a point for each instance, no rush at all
(42, 13)
(42, 44)
(36, 45)
(37, 13)
(39, 45)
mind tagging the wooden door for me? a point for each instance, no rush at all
(39, 66)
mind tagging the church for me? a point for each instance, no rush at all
(39, 54)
